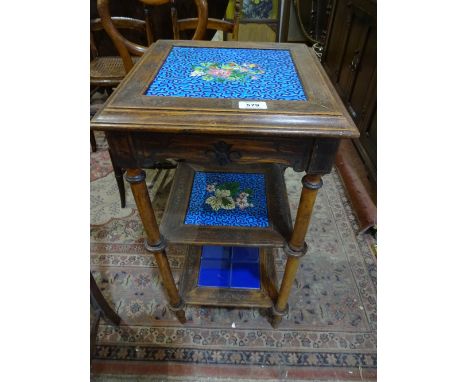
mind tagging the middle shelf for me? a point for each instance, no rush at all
(228, 205)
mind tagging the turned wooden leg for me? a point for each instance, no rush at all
(155, 242)
(296, 248)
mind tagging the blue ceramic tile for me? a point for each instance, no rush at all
(216, 252)
(245, 276)
(219, 269)
(228, 199)
(245, 254)
(255, 74)
(214, 273)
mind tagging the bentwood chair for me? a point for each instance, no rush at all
(126, 48)
(108, 71)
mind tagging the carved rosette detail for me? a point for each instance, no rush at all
(223, 154)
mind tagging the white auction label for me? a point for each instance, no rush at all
(252, 105)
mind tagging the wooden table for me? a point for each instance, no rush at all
(248, 110)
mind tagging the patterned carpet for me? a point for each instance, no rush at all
(330, 331)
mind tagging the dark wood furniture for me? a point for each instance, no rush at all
(220, 133)
(350, 59)
(313, 18)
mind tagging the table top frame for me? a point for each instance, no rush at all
(129, 109)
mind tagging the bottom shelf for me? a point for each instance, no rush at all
(229, 276)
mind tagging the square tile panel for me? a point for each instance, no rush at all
(245, 275)
(245, 254)
(214, 273)
(228, 199)
(229, 267)
(238, 73)
(216, 252)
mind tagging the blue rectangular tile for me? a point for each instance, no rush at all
(245, 276)
(245, 254)
(214, 273)
(236, 73)
(214, 252)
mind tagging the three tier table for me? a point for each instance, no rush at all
(234, 116)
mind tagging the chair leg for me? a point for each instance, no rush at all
(121, 185)
(101, 304)
(93, 142)
(94, 330)
(118, 172)
(101, 308)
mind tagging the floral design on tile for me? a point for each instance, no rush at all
(221, 199)
(212, 71)
(224, 195)
(228, 199)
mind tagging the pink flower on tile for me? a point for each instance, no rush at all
(224, 73)
(242, 203)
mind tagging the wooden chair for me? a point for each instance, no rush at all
(212, 24)
(127, 48)
(108, 71)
